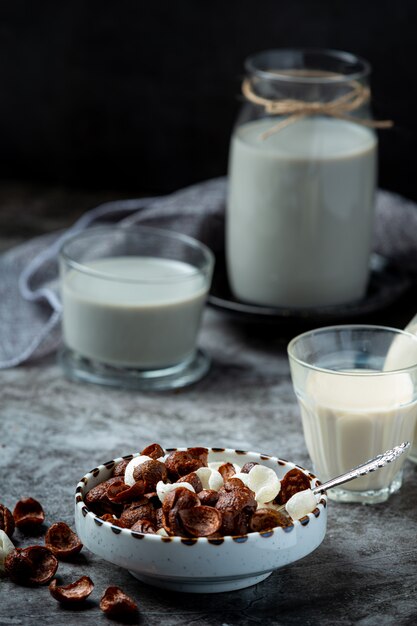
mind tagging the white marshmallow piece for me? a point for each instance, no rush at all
(210, 478)
(264, 482)
(137, 460)
(6, 546)
(163, 489)
(301, 503)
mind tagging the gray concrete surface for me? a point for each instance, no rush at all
(52, 431)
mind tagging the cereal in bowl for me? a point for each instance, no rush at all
(181, 493)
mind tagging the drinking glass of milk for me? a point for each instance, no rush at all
(132, 305)
(353, 404)
(302, 172)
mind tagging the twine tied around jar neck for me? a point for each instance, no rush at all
(295, 110)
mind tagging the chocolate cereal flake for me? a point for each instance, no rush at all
(120, 493)
(181, 462)
(73, 593)
(265, 519)
(35, 565)
(108, 517)
(176, 501)
(119, 468)
(248, 466)
(62, 541)
(150, 473)
(144, 526)
(295, 480)
(154, 451)
(227, 470)
(201, 521)
(116, 604)
(208, 497)
(96, 499)
(7, 522)
(142, 509)
(237, 504)
(28, 514)
(199, 453)
(193, 479)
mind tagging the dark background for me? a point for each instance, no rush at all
(141, 96)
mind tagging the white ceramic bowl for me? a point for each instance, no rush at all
(200, 565)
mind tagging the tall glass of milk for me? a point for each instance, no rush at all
(301, 186)
(353, 405)
(132, 305)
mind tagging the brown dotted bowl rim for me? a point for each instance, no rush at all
(251, 536)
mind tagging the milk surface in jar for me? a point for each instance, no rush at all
(300, 212)
(301, 199)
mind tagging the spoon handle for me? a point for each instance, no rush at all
(370, 466)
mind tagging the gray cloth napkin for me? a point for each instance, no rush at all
(30, 307)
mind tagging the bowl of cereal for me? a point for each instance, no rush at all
(200, 520)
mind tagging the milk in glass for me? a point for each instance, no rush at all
(133, 311)
(300, 211)
(348, 421)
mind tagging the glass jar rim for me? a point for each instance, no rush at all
(356, 374)
(361, 71)
(131, 230)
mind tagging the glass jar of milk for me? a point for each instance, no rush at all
(301, 181)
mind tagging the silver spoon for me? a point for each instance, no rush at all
(370, 466)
